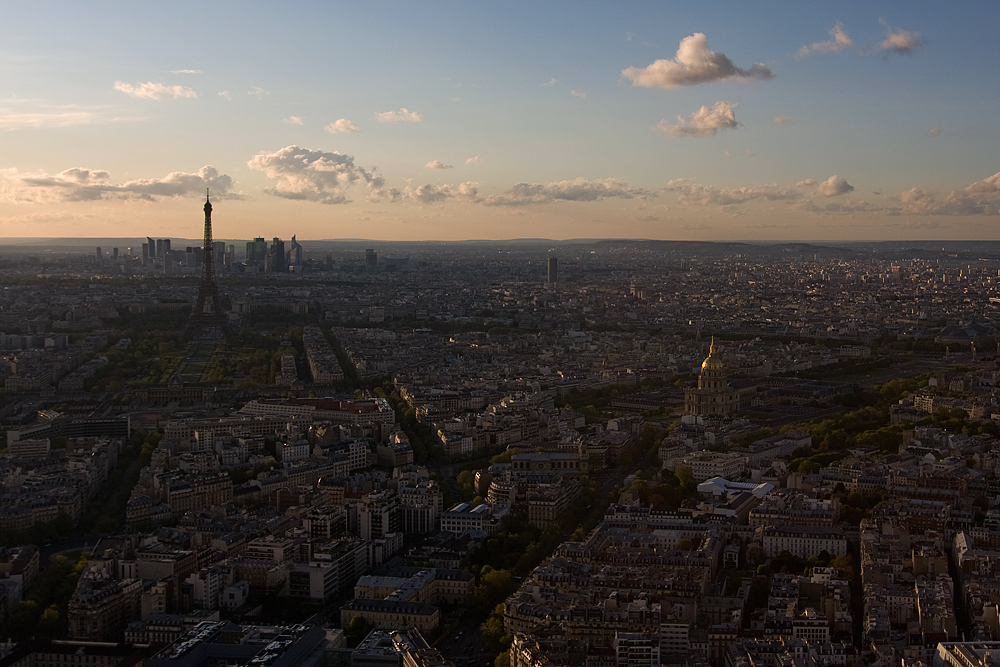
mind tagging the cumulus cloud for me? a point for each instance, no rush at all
(900, 41)
(578, 93)
(154, 91)
(834, 186)
(550, 83)
(782, 119)
(224, 94)
(404, 115)
(300, 173)
(256, 91)
(82, 184)
(839, 40)
(437, 164)
(185, 71)
(934, 131)
(473, 160)
(14, 120)
(293, 120)
(705, 122)
(342, 126)
(693, 64)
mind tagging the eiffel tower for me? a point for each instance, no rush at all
(208, 291)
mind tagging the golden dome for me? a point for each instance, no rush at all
(712, 362)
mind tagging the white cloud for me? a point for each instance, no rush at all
(81, 184)
(154, 91)
(839, 40)
(900, 41)
(437, 164)
(300, 173)
(934, 131)
(256, 91)
(294, 120)
(551, 83)
(13, 120)
(342, 126)
(185, 71)
(224, 94)
(404, 115)
(834, 186)
(578, 93)
(473, 160)
(693, 64)
(782, 119)
(705, 122)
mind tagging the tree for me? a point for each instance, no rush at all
(357, 630)
(50, 624)
(492, 631)
(502, 660)
(686, 478)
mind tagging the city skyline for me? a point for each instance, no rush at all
(448, 122)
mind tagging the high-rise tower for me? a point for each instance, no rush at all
(208, 291)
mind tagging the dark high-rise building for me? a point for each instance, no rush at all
(256, 251)
(99, 253)
(553, 273)
(162, 247)
(295, 253)
(277, 256)
(151, 244)
(371, 257)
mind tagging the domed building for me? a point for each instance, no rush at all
(715, 394)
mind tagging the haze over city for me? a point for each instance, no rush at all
(450, 121)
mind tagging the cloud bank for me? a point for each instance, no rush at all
(82, 184)
(693, 64)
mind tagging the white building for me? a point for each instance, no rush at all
(803, 542)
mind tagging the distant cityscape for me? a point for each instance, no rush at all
(500, 454)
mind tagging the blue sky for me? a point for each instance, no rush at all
(471, 120)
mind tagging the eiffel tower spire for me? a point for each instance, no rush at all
(208, 291)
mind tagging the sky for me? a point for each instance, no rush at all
(468, 120)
